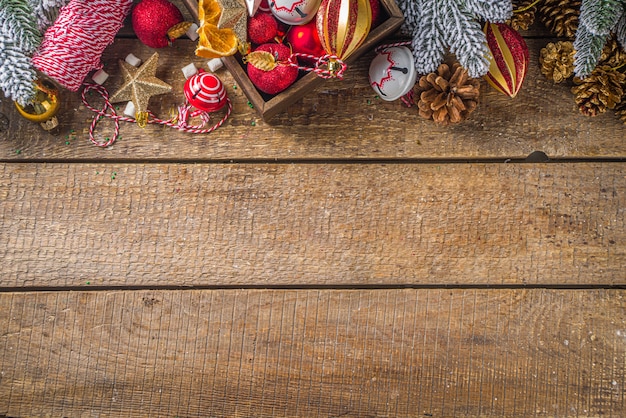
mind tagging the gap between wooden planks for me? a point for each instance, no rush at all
(319, 224)
(340, 120)
(237, 353)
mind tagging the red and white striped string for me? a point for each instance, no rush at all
(322, 65)
(391, 45)
(72, 47)
(180, 121)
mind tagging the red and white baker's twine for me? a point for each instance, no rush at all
(321, 65)
(179, 122)
(391, 45)
(72, 47)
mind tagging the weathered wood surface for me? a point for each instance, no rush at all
(378, 353)
(340, 120)
(312, 224)
(517, 270)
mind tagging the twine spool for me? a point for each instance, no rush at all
(72, 47)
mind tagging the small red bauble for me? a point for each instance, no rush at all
(305, 40)
(152, 19)
(262, 28)
(205, 92)
(264, 6)
(376, 14)
(280, 77)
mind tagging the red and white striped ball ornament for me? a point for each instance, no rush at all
(205, 92)
(73, 45)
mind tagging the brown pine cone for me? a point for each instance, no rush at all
(560, 16)
(523, 14)
(447, 96)
(602, 90)
(613, 54)
(557, 61)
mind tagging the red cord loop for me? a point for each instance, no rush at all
(180, 121)
(326, 66)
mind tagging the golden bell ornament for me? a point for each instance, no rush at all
(44, 106)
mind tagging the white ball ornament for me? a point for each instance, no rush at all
(392, 72)
(294, 12)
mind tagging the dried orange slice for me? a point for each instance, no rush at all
(215, 42)
(208, 12)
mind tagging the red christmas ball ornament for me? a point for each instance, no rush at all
(205, 92)
(264, 6)
(262, 28)
(152, 19)
(376, 12)
(304, 39)
(268, 69)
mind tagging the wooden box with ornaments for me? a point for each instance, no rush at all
(386, 19)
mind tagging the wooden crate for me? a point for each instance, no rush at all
(269, 105)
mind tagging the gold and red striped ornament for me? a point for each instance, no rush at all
(509, 60)
(343, 25)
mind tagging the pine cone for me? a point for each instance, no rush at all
(447, 96)
(561, 16)
(557, 61)
(602, 90)
(523, 14)
(613, 54)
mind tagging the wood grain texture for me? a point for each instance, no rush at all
(340, 120)
(312, 224)
(313, 353)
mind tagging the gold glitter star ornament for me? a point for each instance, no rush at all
(140, 84)
(234, 15)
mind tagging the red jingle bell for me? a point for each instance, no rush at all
(205, 92)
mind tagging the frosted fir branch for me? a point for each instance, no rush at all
(428, 41)
(17, 75)
(600, 16)
(588, 50)
(620, 30)
(439, 25)
(496, 11)
(18, 25)
(46, 12)
(466, 39)
(411, 14)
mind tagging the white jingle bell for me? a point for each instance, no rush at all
(294, 12)
(392, 73)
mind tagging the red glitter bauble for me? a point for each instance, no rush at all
(305, 40)
(278, 79)
(264, 6)
(262, 28)
(152, 19)
(376, 12)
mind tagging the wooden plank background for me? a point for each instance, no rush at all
(312, 224)
(344, 259)
(314, 353)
